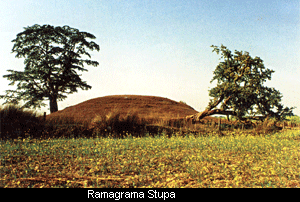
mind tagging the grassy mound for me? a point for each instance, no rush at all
(149, 108)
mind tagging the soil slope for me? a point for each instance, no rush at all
(145, 106)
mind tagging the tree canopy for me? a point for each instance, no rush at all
(240, 91)
(53, 55)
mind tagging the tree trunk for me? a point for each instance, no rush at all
(207, 112)
(53, 104)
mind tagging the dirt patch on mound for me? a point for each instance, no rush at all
(145, 106)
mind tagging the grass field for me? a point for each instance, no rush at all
(234, 160)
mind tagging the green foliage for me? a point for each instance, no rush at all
(240, 91)
(53, 55)
(293, 119)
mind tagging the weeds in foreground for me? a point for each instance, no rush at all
(236, 160)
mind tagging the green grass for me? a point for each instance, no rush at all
(236, 160)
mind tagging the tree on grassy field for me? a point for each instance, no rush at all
(240, 91)
(52, 57)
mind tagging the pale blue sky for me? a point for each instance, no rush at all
(162, 47)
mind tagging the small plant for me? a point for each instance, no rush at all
(182, 102)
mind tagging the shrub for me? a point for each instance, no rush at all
(116, 124)
(67, 127)
(17, 122)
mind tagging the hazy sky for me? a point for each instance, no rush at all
(162, 47)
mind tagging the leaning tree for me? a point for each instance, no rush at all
(53, 55)
(240, 91)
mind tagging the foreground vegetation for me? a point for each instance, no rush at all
(64, 153)
(235, 160)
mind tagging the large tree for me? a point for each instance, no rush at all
(240, 91)
(53, 55)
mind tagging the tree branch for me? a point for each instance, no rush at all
(199, 116)
(211, 106)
